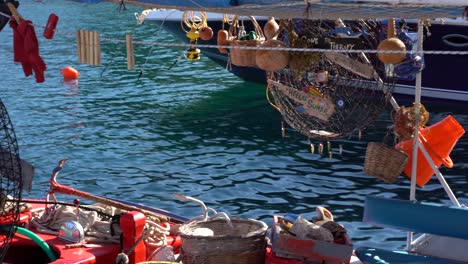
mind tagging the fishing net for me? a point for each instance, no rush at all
(332, 94)
(10, 181)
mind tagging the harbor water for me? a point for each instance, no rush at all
(177, 126)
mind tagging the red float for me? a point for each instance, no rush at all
(70, 73)
(50, 27)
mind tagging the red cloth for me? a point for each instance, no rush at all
(26, 49)
(18, 49)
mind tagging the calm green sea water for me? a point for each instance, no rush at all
(194, 129)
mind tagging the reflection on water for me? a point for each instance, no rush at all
(73, 85)
(192, 129)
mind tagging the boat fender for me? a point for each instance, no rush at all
(222, 39)
(39, 241)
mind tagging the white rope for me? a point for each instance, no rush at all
(96, 229)
(168, 44)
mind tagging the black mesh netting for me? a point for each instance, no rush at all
(331, 94)
(11, 181)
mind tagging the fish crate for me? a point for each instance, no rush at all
(315, 251)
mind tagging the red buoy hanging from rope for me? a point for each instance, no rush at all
(49, 30)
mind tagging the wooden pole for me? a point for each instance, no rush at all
(130, 57)
(89, 47)
(82, 46)
(97, 49)
(78, 46)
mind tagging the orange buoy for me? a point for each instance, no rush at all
(206, 33)
(438, 140)
(392, 43)
(70, 73)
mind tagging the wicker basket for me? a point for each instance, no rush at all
(244, 243)
(244, 57)
(384, 162)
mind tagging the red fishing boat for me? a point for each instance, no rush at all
(114, 231)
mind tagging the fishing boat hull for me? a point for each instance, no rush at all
(40, 246)
(117, 231)
(443, 77)
(33, 241)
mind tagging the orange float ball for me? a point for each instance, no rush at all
(391, 44)
(206, 33)
(70, 73)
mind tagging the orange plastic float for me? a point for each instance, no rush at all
(438, 140)
(70, 73)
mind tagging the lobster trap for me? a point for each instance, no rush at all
(335, 93)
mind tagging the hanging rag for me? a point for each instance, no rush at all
(31, 48)
(26, 49)
(19, 54)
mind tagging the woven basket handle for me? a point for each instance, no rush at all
(235, 24)
(258, 29)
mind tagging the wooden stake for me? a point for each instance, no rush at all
(130, 57)
(97, 49)
(85, 46)
(78, 46)
(91, 47)
(88, 46)
(82, 46)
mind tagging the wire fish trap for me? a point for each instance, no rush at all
(11, 181)
(338, 93)
(242, 243)
(384, 162)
